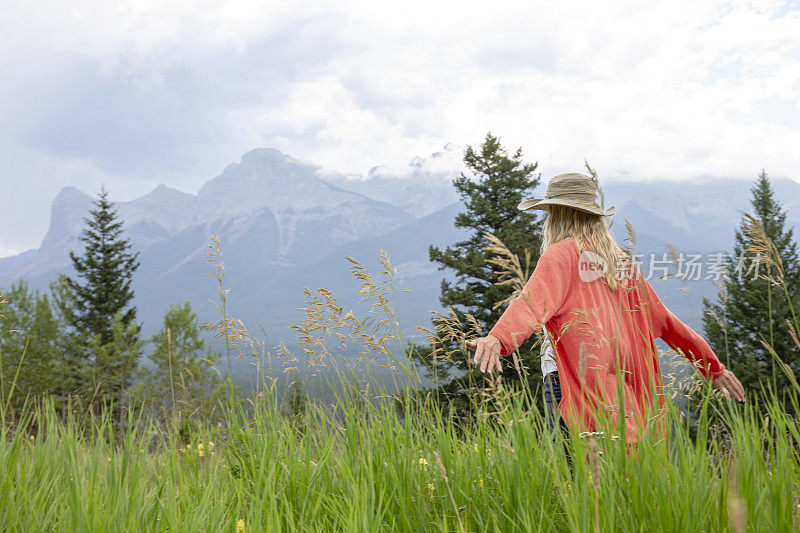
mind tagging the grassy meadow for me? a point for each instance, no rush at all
(361, 463)
(360, 467)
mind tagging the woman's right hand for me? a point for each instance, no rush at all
(487, 353)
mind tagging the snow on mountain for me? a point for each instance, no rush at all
(694, 216)
(264, 177)
(424, 186)
(306, 208)
(157, 215)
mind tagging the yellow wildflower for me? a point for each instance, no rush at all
(200, 450)
(211, 446)
(431, 490)
(422, 461)
(480, 483)
(240, 526)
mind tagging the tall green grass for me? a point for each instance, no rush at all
(360, 467)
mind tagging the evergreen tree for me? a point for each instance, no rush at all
(98, 306)
(295, 401)
(115, 365)
(106, 270)
(183, 385)
(751, 308)
(497, 182)
(30, 365)
(75, 375)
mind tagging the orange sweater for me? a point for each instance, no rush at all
(613, 332)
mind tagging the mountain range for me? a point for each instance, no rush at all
(285, 225)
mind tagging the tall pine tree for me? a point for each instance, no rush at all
(750, 308)
(496, 183)
(183, 385)
(101, 310)
(106, 270)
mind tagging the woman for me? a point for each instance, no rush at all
(602, 315)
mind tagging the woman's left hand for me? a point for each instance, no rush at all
(729, 384)
(487, 353)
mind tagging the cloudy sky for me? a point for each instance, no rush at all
(132, 94)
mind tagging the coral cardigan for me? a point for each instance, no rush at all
(599, 334)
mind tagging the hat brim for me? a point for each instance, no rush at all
(543, 203)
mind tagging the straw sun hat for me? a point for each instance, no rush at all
(572, 190)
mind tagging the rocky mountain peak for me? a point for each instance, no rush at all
(265, 177)
(70, 194)
(158, 214)
(264, 155)
(67, 212)
(161, 190)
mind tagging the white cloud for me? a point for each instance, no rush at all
(135, 93)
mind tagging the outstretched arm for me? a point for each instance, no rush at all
(541, 298)
(686, 341)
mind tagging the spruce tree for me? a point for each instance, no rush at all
(72, 346)
(495, 184)
(183, 384)
(750, 308)
(100, 308)
(114, 365)
(106, 270)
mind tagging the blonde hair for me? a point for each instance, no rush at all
(590, 232)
